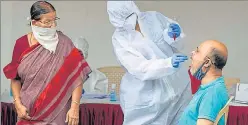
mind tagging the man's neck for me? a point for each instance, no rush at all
(211, 76)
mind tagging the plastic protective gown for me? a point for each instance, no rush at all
(152, 92)
(97, 81)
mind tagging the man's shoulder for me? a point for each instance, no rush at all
(214, 99)
(220, 87)
(218, 92)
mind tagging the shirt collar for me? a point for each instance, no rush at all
(212, 83)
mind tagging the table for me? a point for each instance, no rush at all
(238, 114)
(100, 112)
(8, 114)
(103, 112)
(92, 112)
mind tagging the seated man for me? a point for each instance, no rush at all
(97, 81)
(208, 61)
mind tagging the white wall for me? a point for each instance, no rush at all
(6, 40)
(223, 20)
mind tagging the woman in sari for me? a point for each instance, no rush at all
(46, 72)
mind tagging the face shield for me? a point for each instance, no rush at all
(119, 11)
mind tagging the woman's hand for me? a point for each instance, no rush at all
(22, 111)
(72, 116)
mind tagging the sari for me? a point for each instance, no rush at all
(48, 79)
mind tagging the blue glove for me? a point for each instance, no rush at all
(177, 59)
(174, 29)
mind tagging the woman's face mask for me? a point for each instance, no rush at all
(43, 32)
(45, 28)
(47, 37)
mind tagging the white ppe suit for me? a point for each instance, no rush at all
(152, 92)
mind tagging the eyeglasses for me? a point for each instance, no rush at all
(50, 23)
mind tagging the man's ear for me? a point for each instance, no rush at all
(207, 64)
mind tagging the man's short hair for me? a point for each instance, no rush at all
(219, 60)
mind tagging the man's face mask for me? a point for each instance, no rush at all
(199, 74)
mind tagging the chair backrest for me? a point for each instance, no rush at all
(114, 75)
(231, 81)
(224, 111)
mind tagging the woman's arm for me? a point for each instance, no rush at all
(21, 109)
(72, 117)
(76, 96)
(16, 88)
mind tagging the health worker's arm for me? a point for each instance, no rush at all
(139, 66)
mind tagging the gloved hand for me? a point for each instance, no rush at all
(174, 30)
(177, 59)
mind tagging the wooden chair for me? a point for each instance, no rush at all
(231, 81)
(114, 75)
(224, 111)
